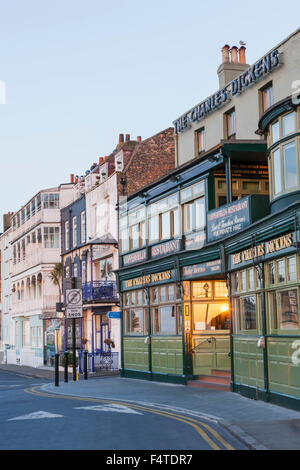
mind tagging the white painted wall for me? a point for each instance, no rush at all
(246, 105)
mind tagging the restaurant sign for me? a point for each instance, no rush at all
(229, 219)
(136, 257)
(204, 269)
(165, 248)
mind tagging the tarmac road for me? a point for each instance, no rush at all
(32, 418)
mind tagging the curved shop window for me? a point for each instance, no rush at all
(166, 317)
(246, 287)
(284, 155)
(135, 313)
(282, 280)
(210, 306)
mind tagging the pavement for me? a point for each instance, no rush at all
(259, 425)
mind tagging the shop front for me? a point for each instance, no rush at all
(265, 283)
(207, 322)
(153, 327)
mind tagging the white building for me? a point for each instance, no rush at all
(7, 332)
(35, 245)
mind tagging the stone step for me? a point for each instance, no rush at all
(209, 385)
(214, 379)
(221, 373)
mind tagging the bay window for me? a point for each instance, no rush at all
(284, 156)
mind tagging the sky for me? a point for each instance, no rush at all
(79, 73)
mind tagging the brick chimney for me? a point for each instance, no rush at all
(232, 65)
(127, 137)
(72, 178)
(242, 55)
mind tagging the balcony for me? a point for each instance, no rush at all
(100, 291)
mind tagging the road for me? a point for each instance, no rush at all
(32, 419)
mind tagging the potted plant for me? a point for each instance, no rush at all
(109, 342)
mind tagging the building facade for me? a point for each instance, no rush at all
(90, 236)
(212, 287)
(35, 245)
(7, 332)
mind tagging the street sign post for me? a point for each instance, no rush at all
(74, 303)
(113, 315)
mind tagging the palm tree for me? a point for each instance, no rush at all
(56, 277)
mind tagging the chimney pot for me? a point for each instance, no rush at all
(101, 160)
(127, 137)
(225, 54)
(72, 178)
(242, 55)
(234, 55)
(121, 138)
(139, 138)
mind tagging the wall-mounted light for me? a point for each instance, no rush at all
(214, 158)
(174, 178)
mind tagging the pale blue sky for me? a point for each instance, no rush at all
(78, 73)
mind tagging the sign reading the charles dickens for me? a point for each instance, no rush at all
(251, 76)
(203, 269)
(136, 257)
(165, 248)
(229, 219)
(265, 249)
(148, 279)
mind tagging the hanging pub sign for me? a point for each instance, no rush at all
(165, 248)
(264, 250)
(136, 257)
(251, 76)
(204, 269)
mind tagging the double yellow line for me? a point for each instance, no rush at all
(200, 427)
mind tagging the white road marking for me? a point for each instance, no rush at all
(10, 386)
(36, 415)
(111, 408)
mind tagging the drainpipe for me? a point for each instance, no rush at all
(228, 180)
(93, 351)
(264, 333)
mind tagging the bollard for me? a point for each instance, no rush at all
(85, 364)
(56, 370)
(66, 367)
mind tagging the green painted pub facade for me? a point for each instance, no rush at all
(209, 271)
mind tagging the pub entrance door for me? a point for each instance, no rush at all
(207, 302)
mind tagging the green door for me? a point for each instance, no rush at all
(210, 327)
(210, 352)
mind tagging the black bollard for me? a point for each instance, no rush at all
(85, 364)
(56, 370)
(66, 367)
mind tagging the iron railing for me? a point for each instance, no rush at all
(100, 290)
